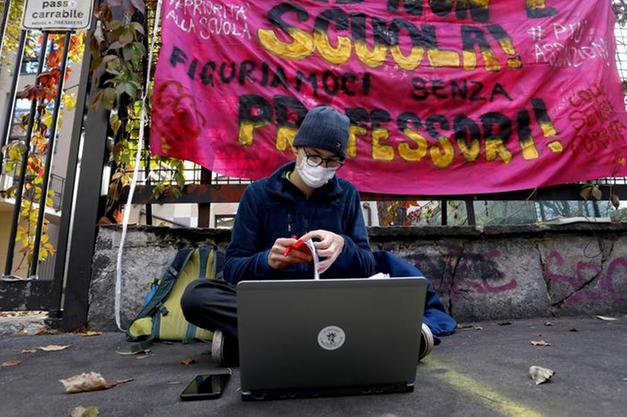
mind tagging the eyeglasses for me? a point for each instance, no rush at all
(314, 160)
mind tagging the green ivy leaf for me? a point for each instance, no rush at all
(179, 178)
(127, 88)
(118, 148)
(596, 193)
(116, 45)
(139, 5)
(114, 25)
(138, 27)
(115, 123)
(108, 98)
(586, 192)
(126, 37)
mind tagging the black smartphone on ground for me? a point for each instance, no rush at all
(206, 387)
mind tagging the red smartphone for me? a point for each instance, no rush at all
(299, 245)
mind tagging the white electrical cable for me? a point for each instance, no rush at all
(131, 191)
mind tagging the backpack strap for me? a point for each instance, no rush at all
(167, 282)
(203, 252)
(145, 344)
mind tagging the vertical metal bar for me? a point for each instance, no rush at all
(53, 133)
(146, 24)
(84, 218)
(470, 212)
(595, 207)
(66, 226)
(18, 198)
(5, 133)
(3, 24)
(147, 182)
(444, 212)
(204, 209)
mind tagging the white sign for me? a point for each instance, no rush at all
(57, 14)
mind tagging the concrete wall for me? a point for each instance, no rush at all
(485, 273)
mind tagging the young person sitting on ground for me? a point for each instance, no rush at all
(302, 199)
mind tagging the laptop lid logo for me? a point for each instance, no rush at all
(331, 338)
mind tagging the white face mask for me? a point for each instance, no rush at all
(314, 177)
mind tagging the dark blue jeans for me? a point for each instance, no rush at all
(211, 304)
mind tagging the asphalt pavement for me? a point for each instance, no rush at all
(482, 370)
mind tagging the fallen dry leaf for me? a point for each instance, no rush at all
(187, 361)
(540, 343)
(42, 331)
(548, 323)
(130, 353)
(469, 326)
(540, 374)
(22, 313)
(89, 333)
(143, 356)
(121, 381)
(606, 318)
(29, 350)
(52, 348)
(91, 411)
(90, 381)
(178, 382)
(12, 362)
(22, 333)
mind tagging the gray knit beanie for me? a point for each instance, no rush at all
(326, 128)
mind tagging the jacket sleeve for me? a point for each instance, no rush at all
(243, 259)
(356, 259)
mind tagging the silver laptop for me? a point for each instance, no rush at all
(308, 338)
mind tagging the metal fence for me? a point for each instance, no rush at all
(36, 194)
(213, 188)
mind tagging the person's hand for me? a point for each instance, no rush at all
(277, 259)
(330, 246)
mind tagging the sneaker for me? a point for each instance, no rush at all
(224, 350)
(217, 346)
(426, 342)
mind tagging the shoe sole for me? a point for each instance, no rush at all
(426, 342)
(217, 347)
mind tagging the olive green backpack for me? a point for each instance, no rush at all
(162, 318)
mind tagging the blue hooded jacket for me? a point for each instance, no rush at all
(274, 208)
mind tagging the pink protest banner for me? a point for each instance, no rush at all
(444, 96)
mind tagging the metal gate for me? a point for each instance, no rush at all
(33, 276)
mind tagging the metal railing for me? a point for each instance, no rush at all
(18, 178)
(193, 171)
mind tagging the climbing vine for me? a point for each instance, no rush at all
(119, 48)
